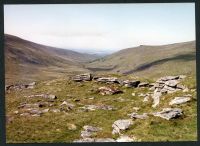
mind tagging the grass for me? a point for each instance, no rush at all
(53, 127)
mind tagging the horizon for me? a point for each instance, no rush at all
(101, 28)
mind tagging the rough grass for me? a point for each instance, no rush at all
(53, 127)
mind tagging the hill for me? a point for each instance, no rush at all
(25, 60)
(149, 61)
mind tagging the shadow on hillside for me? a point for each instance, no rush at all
(183, 57)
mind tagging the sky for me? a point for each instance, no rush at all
(101, 28)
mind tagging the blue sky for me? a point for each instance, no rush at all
(101, 28)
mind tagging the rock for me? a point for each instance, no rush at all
(20, 86)
(104, 140)
(137, 116)
(156, 98)
(108, 80)
(171, 83)
(133, 94)
(91, 128)
(182, 76)
(125, 138)
(143, 84)
(186, 90)
(146, 99)
(49, 96)
(179, 100)
(136, 108)
(89, 131)
(121, 125)
(83, 77)
(31, 85)
(16, 112)
(84, 140)
(169, 78)
(55, 110)
(69, 105)
(25, 105)
(45, 110)
(71, 126)
(25, 114)
(169, 113)
(128, 83)
(142, 95)
(100, 107)
(109, 91)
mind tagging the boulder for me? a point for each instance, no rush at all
(108, 80)
(82, 77)
(49, 96)
(89, 131)
(143, 84)
(156, 98)
(169, 113)
(121, 125)
(179, 100)
(130, 84)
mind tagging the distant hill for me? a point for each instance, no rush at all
(25, 60)
(149, 61)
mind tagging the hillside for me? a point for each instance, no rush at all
(149, 61)
(25, 60)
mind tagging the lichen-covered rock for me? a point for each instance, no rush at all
(138, 116)
(169, 113)
(83, 77)
(179, 100)
(121, 125)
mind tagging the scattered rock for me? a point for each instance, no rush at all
(19, 86)
(89, 131)
(133, 94)
(169, 113)
(82, 77)
(179, 100)
(49, 96)
(71, 126)
(69, 105)
(156, 98)
(128, 83)
(146, 99)
(104, 140)
(121, 125)
(125, 138)
(137, 116)
(108, 80)
(98, 107)
(136, 108)
(143, 84)
(109, 91)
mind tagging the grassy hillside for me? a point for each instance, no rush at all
(25, 60)
(55, 127)
(150, 61)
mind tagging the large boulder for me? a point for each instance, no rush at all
(121, 125)
(179, 100)
(83, 77)
(169, 113)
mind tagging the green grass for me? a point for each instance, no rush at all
(53, 127)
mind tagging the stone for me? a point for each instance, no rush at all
(125, 138)
(179, 100)
(55, 110)
(121, 125)
(143, 84)
(133, 94)
(156, 98)
(136, 108)
(137, 116)
(108, 80)
(171, 83)
(71, 126)
(109, 91)
(104, 140)
(130, 84)
(91, 128)
(186, 90)
(45, 110)
(49, 96)
(69, 105)
(84, 140)
(169, 113)
(146, 99)
(166, 78)
(99, 107)
(83, 77)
